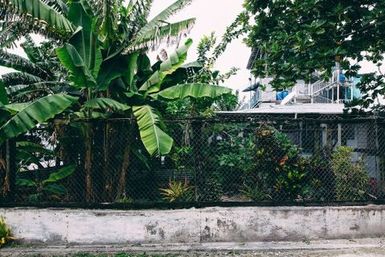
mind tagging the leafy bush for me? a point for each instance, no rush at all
(279, 171)
(49, 188)
(233, 153)
(352, 180)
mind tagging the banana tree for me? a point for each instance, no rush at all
(99, 33)
(106, 62)
(129, 94)
(135, 90)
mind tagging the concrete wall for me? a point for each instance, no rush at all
(243, 224)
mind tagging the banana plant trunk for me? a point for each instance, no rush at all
(9, 165)
(109, 163)
(126, 162)
(117, 159)
(89, 185)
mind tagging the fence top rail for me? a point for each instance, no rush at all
(245, 116)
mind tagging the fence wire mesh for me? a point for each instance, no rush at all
(235, 159)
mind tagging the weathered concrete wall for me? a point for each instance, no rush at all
(242, 224)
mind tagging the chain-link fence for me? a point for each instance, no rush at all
(244, 159)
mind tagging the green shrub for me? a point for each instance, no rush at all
(234, 159)
(279, 172)
(352, 179)
(5, 233)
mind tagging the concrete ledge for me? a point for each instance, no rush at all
(237, 224)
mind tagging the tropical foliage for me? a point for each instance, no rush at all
(49, 187)
(108, 71)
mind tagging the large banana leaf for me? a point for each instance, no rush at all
(40, 11)
(155, 140)
(108, 26)
(123, 66)
(60, 174)
(15, 108)
(106, 104)
(85, 39)
(173, 62)
(159, 20)
(79, 73)
(37, 112)
(194, 90)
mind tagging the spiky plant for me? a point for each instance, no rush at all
(5, 232)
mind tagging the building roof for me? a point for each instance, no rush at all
(293, 109)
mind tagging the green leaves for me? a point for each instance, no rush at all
(121, 66)
(292, 39)
(49, 185)
(194, 90)
(155, 140)
(60, 174)
(37, 112)
(173, 62)
(159, 19)
(85, 39)
(79, 72)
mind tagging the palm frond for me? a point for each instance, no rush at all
(31, 49)
(19, 78)
(21, 64)
(138, 13)
(170, 34)
(46, 87)
(40, 16)
(10, 32)
(59, 5)
(160, 19)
